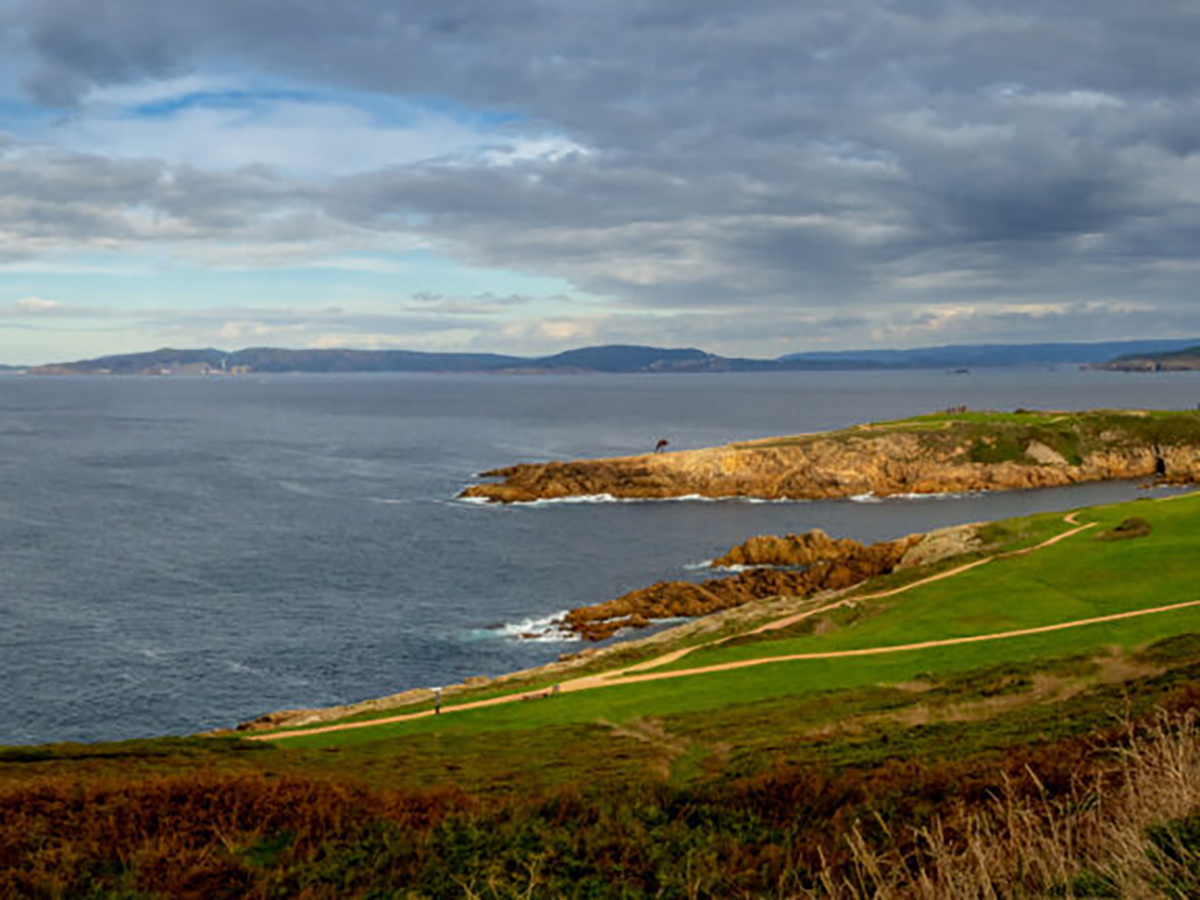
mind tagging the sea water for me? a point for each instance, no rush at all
(179, 554)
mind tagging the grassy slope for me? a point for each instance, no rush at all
(1083, 577)
(767, 766)
(992, 437)
(1080, 578)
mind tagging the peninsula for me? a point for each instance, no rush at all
(949, 452)
(1005, 688)
(1185, 360)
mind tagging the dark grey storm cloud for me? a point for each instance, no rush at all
(766, 154)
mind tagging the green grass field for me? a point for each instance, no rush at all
(1082, 577)
(979, 436)
(775, 779)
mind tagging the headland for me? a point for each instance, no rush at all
(1019, 684)
(950, 452)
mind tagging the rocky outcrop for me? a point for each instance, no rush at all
(828, 564)
(941, 454)
(789, 550)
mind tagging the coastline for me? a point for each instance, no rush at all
(568, 664)
(956, 451)
(875, 460)
(920, 550)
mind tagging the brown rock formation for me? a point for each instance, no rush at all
(947, 455)
(788, 550)
(829, 564)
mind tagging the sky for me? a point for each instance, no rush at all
(753, 178)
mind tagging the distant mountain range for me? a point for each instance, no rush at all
(611, 358)
(988, 355)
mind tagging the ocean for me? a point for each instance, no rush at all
(181, 554)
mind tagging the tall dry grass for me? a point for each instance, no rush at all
(1121, 830)
(1113, 815)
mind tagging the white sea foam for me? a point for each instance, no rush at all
(609, 498)
(302, 489)
(474, 501)
(545, 628)
(738, 568)
(700, 498)
(567, 501)
(871, 497)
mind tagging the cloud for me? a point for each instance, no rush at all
(958, 168)
(42, 308)
(37, 305)
(51, 200)
(309, 135)
(422, 321)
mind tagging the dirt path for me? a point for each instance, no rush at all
(922, 645)
(637, 673)
(777, 624)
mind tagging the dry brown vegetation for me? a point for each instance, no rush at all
(1114, 813)
(1130, 827)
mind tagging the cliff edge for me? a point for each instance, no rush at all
(950, 452)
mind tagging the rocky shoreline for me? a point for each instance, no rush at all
(788, 566)
(952, 452)
(949, 453)
(837, 565)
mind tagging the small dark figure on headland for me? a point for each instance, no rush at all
(662, 445)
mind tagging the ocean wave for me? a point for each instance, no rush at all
(738, 568)
(707, 566)
(568, 501)
(609, 498)
(303, 490)
(473, 501)
(871, 497)
(240, 668)
(547, 629)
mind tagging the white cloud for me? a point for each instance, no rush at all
(314, 137)
(153, 91)
(38, 305)
(34, 307)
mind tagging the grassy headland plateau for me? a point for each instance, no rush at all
(1185, 360)
(946, 452)
(1011, 716)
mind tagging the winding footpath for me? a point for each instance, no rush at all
(642, 671)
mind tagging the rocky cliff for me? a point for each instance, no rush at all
(787, 566)
(943, 453)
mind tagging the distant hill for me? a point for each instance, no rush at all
(987, 355)
(624, 358)
(615, 358)
(1186, 360)
(169, 361)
